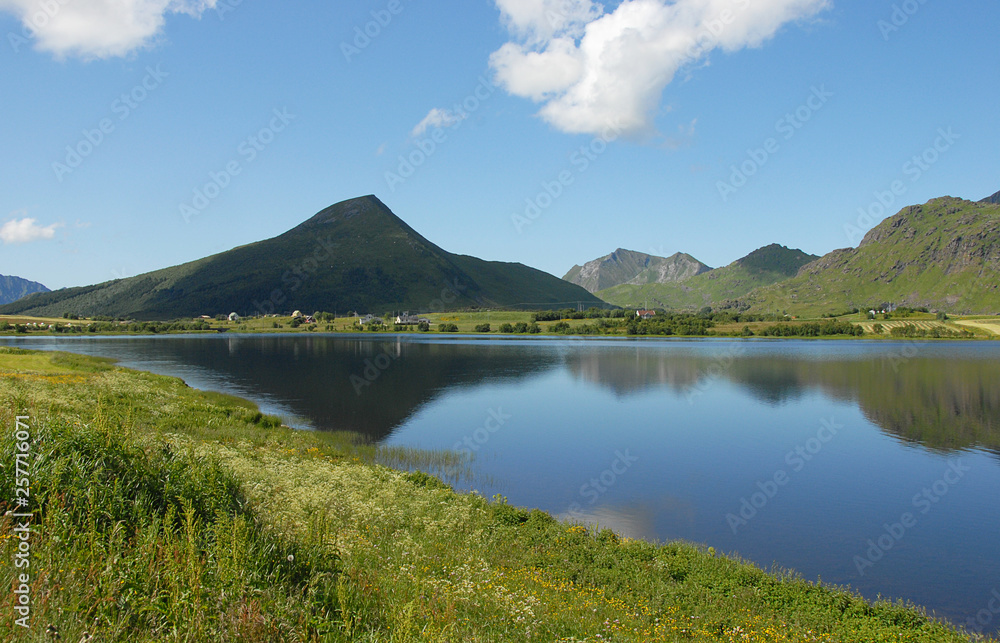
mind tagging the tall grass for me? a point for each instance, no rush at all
(167, 514)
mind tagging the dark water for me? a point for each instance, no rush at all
(870, 464)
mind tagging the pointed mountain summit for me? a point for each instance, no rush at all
(630, 267)
(354, 255)
(761, 267)
(13, 288)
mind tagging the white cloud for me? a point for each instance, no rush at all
(538, 21)
(591, 70)
(437, 117)
(26, 230)
(97, 28)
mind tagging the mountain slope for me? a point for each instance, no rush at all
(944, 254)
(354, 255)
(13, 288)
(630, 267)
(995, 199)
(761, 267)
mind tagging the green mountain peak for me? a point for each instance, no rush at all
(354, 255)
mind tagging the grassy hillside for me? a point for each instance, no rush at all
(355, 255)
(628, 266)
(761, 267)
(944, 255)
(164, 513)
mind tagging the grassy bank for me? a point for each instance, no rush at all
(165, 513)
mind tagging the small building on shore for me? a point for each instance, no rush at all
(406, 319)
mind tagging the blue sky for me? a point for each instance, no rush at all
(580, 128)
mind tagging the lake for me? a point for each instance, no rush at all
(873, 464)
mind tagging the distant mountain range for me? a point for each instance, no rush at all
(13, 288)
(761, 267)
(635, 268)
(359, 256)
(944, 254)
(353, 256)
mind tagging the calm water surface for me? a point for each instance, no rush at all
(870, 464)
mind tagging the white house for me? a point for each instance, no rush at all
(406, 319)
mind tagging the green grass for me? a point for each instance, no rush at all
(940, 255)
(164, 513)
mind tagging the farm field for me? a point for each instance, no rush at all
(988, 325)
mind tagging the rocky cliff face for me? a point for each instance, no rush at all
(13, 288)
(944, 254)
(636, 268)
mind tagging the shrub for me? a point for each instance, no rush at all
(447, 328)
(506, 328)
(483, 328)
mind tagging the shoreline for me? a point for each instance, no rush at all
(311, 456)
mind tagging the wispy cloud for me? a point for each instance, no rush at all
(588, 67)
(97, 28)
(26, 230)
(437, 117)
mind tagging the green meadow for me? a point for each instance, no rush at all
(476, 321)
(162, 513)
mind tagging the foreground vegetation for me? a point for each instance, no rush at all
(164, 513)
